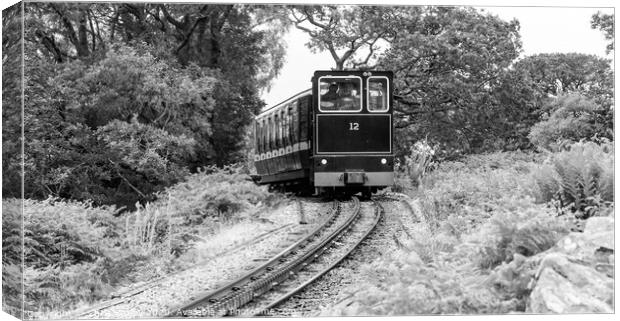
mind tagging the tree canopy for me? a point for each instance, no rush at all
(123, 99)
(459, 81)
(346, 32)
(448, 64)
(605, 23)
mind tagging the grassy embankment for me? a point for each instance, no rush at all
(77, 254)
(478, 215)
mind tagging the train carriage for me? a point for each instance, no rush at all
(334, 137)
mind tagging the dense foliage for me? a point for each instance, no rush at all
(572, 118)
(458, 80)
(11, 101)
(122, 100)
(446, 84)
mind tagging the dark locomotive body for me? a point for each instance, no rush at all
(335, 137)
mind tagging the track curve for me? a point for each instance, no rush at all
(289, 271)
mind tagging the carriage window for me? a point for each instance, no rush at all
(294, 130)
(277, 130)
(340, 94)
(270, 135)
(263, 135)
(257, 147)
(291, 125)
(285, 127)
(378, 94)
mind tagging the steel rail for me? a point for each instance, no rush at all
(232, 295)
(379, 211)
(291, 268)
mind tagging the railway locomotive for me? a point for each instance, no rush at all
(333, 138)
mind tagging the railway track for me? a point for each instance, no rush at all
(260, 291)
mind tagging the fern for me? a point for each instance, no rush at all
(581, 178)
(606, 184)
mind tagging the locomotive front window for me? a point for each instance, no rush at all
(340, 94)
(378, 89)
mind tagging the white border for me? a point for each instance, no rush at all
(339, 111)
(387, 100)
(316, 132)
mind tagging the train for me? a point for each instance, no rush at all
(334, 138)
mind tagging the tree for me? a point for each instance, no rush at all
(448, 63)
(345, 31)
(123, 99)
(573, 73)
(11, 101)
(604, 23)
(562, 73)
(115, 131)
(228, 38)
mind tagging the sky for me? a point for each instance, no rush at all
(543, 30)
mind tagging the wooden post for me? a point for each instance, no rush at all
(302, 214)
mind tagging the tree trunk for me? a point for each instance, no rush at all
(82, 44)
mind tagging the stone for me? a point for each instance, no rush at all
(599, 232)
(576, 275)
(598, 224)
(555, 294)
(590, 281)
(596, 239)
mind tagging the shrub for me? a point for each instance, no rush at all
(474, 187)
(115, 129)
(402, 284)
(573, 118)
(11, 255)
(198, 206)
(65, 245)
(522, 228)
(54, 288)
(419, 161)
(580, 178)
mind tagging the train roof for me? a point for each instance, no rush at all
(296, 96)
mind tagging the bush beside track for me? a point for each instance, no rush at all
(479, 215)
(77, 253)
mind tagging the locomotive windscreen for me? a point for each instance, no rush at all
(362, 133)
